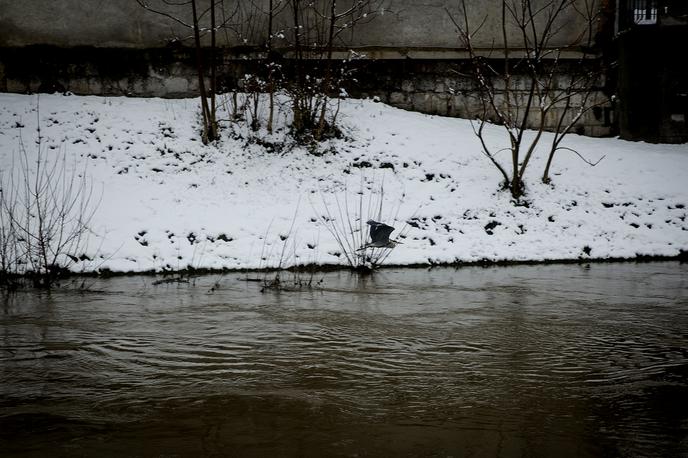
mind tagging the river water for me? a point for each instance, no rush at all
(555, 360)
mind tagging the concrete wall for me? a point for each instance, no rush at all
(399, 25)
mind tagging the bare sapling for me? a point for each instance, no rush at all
(46, 209)
(10, 255)
(346, 219)
(583, 82)
(273, 67)
(318, 29)
(287, 273)
(531, 74)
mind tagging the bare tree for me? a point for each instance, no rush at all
(345, 213)
(174, 10)
(526, 77)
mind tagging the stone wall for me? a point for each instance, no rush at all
(163, 72)
(438, 87)
(432, 86)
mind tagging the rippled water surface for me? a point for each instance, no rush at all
(560, 360)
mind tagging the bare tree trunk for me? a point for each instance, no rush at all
(206, 136)
(328, 69)
(213, 73)
(271, 82)
(298, 109)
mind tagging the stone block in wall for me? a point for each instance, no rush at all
(533, 120)
(176, 85)
(193, 85)
(424, 103)
(467, 106)
(94, 86)
(516, 83)
(442, 102)
(576, 100)
(520, 83)
(453, 106)
(34, 85)
(420, 101)
(499, 84)
(598, 131)
(177, 69)
(593, 117)
(499, 98)
(561, 81)
(111, 87)
(520, 98)
(78, 86)
(127, 86)
(456, 85)
(438, 104)
(398, 99)
(155, 87)
(425, 84)
(458, 105)
(466, 84)
(107, 88)
(407, 86)
(16, 86)
(553, 116)
(140, 86)
(3, 78)
(448, 85)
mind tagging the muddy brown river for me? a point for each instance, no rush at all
(541, 361)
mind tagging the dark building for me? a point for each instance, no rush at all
(652, 86)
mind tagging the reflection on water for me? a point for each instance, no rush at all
(521, 361)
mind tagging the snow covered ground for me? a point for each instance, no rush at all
(169, 202)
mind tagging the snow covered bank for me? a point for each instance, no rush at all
(169, 202)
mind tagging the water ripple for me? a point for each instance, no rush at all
(577, 360)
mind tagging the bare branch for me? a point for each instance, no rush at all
(145, 5)
(590, 163)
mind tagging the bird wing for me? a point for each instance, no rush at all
(379, 231)
(385, 231)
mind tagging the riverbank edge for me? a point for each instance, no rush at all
(183, 275)
(321, 268)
